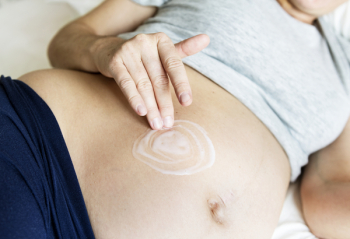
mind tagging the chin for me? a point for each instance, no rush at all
(317, 7)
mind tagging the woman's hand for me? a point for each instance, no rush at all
(141, 67)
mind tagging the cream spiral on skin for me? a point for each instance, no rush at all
(182, 150)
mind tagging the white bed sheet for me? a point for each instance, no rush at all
(26, 27)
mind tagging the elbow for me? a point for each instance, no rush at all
(58, 47)
(54, 50)
(51, 53)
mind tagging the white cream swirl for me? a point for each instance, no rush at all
(182, 150)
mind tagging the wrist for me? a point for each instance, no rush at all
(102, 51)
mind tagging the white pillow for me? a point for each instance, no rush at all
(26, 27)
(81, 6)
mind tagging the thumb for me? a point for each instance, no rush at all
(192, 45)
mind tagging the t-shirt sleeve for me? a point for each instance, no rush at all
(156, 3)
(40, 196)
(20, 215)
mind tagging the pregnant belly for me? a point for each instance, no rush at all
(238, 192)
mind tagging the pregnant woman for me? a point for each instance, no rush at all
(270, 89)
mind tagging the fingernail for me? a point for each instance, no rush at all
(168, 122)
(184, 97)
(141, 110)
(157, 123)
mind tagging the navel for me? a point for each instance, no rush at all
(219, 205)
(217, 210)
(182, 150)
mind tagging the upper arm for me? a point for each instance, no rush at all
(113, 17)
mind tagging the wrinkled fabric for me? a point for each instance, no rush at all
(293, 76)
(40, 194)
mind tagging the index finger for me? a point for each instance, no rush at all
(173, 65)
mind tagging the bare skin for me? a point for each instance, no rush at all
(325, 189)
(241, 194)
(308, 11)
(85, 43)
(140, 66)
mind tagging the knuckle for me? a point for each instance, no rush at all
(161, 82)
(144, 85)
(133, 99)
(181, 85)
(141, 37)
(153, 109)
(125, 83)
(162, 35)
(143, 40)
(173, 63)
(127, 47)
(166, 107)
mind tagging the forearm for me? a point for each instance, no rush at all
(75, 46)
(71, 48)
(326, 203)
(325, 189)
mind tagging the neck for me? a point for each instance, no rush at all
(296, 13)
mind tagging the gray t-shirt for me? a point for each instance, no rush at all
(292, 76)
